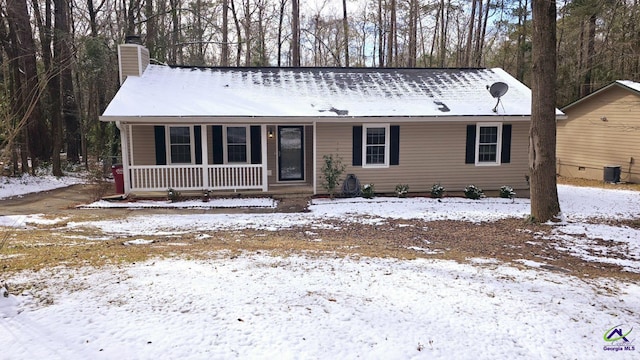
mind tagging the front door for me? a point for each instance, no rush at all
(290, 153)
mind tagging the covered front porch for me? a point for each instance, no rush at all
(218, 158)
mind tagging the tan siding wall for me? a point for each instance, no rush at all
(144, 146)
(429, 153)
(586, 144)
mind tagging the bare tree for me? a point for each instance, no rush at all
(542, 135)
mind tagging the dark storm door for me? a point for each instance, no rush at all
(290, 153)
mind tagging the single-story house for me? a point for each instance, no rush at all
(600, 138)
(268, 129)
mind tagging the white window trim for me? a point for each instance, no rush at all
(226, 148)
(192, 145)
(498, 144)
(386, 145)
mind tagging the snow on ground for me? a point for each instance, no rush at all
(261, 306)
(257, 306)
(19, 186)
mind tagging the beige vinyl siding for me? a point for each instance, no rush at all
(133, 60)
(430, 153)
(586, 143)
(143, 145)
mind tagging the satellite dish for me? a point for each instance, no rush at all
(497, 90)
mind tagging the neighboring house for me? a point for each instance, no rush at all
(600, 139)
(266, 129)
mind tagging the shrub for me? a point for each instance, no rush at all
(402, 190)
(368, 191)
(173, 195)
(331, 172)
(437, 190)
(507, 192)
(473, 192)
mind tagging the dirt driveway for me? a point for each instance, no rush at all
(65, 201)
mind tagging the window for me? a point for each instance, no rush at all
(376, 149)
(237, 144)
(488, 144)
(180, 144)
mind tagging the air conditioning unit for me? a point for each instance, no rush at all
(612, 173)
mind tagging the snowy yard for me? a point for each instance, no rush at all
(261, 305)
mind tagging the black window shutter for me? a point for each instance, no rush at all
(357, 146)
(256, 145)
(161, 145)
(218, 151)
(470, 157)
(197, 133)
(394, 147)
(505, 156)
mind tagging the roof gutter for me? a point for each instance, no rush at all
(309, 119)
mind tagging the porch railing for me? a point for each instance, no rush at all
(192, 177)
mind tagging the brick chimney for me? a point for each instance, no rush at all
(133, 57)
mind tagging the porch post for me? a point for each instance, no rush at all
(315, 161)
(205, 157)
(125, 138)
(265, 177)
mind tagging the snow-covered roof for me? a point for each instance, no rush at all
(630, 84)
(625, 84)
(165, 91)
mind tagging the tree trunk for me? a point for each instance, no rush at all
(381, 61)
(542, 135)
(36, 140)
(469, 47)
(280, 22)
(391, 38)
(591, 40)
(239, 32)
(295, 33)
(522, 36)
(64, 57)
(413, 33)
(247, 33)
(224, 61)
(345, 28)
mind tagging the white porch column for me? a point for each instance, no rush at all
(125, 138)
(265, 176)
(205, 157)
(315, 157)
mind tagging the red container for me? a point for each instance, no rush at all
(118, 176)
